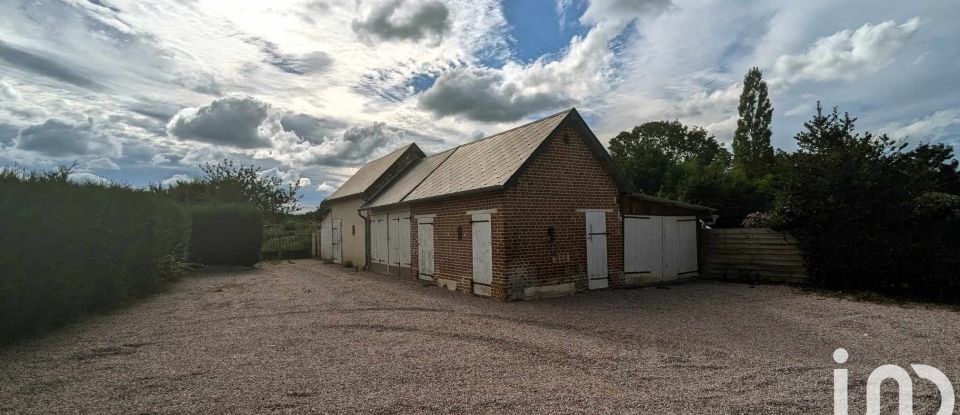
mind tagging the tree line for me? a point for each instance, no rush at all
(871, 212)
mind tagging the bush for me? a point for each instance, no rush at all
(870, 215)
(225, 234)
(348, 264)
(69, 248)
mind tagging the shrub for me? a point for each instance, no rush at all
(348, 264)
(69, 248)
(870, 215)
(225, 234)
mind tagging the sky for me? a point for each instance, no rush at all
(143, 92)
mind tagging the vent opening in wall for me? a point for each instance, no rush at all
(353, 229)
(550, 233)
(459, 232)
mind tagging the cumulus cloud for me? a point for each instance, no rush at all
(8, 92)
(87, 177)
(230, 121)
(356, 146)
(310, 128)
(291, 176)
(485, 95)
(846, 55)
(326, 187)
(158, 159)
(304, 64)
(404, 20)
(176, 178)
(102, 163)
(59, 138)
(518, 90)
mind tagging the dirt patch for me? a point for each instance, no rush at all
(302, 336)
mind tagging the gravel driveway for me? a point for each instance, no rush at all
(303, 336)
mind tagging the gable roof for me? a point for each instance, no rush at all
(364, 179)
(410, 179)
(487, 164)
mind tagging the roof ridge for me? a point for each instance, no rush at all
(568, 110)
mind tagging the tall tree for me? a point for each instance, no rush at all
(752, 150)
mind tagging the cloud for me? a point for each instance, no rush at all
(310, 128)
(304, 182)
(356, 146)
(600, 10)
(931, 127)
(846, 55)
(231, 121)
(290, 176)
(8, 92)
(485, 95)
(41, 65)
(305, 64)
(87, 178)
(103, 163)
(60, 138)
(404, 20)
(158, 159)
(326, 187)
(176, 178)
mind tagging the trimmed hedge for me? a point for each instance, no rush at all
(225, 234)
(66, 249)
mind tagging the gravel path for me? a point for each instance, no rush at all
(307, 337)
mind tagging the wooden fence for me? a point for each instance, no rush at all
(754, 254)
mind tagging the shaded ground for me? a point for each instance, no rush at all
(303, 336)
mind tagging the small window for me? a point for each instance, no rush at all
(353, 229)
(550, 233)
(459, 232)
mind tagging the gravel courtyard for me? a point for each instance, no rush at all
(302, 336)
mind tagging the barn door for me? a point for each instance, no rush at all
(638, 256)
(336, 241)
(403, 241)
(326, 241)
(596, 250)
(425, 248)
(686, 246)
(482, 254)
(393, 236)
(671, 248)
(378, 239)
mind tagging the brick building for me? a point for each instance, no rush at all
(534, 211)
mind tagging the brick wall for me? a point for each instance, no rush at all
(453, 256)
(563, 179)
(552, 191)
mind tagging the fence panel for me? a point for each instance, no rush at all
(751, 254)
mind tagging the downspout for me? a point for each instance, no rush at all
(366, 233)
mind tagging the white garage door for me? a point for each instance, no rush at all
(482, 254)
(326, 237)
(399, 240)
(659, 248)
(378, 239)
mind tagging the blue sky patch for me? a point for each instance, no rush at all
(538, 29)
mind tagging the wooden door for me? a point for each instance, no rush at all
(638, 256)
(597, 250)
(425, 249)
(482, 254)
(337, 241)
(403, 241)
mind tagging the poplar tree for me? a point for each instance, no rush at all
(752, 150)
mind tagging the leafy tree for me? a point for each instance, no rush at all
(752, 150)
(231, 183)
(652, 152)
(868, 213)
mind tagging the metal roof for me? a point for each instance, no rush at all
(660, 200)
(415, 173)
(369, 173)
(488, 162)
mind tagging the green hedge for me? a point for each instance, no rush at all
(66, 249)
(225, 234)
